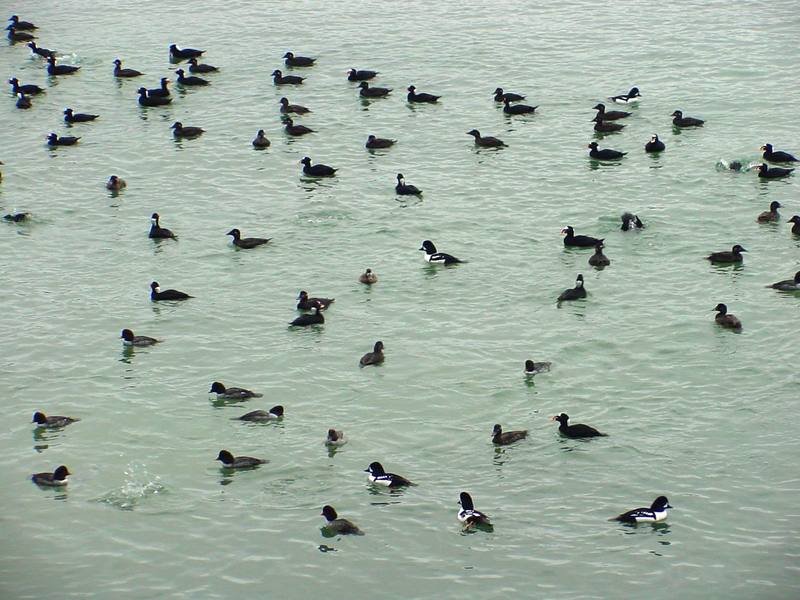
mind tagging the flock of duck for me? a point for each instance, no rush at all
(605, 121)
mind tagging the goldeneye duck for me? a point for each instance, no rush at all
(598, 259)
(64, 140)
(361, 74)
(229, 461)
(156, 294)
(654, 145)
(796, 227)
(656, 512)
(732, 256)
(304, 302)
(15, 36)
(606, 127)
(770, 215)
(261, 140)
(298, 61)
(23, 102)
(232, 393)
(54, 69)
(160, 92)
(376, 143)
(58, 478)
(17, 217)
(43, 52)
(305, 320)
(413, 96)
(52, 422)
(28, 88)
(156, 231)
(335, 438)
(21, 25)
(468, 515)
(575, 293)
(406, 189)
(274, 413)
(517, 109)
(368, 277)
(632, 96)
(773, 156)
(578, 430)
(179, 131)
(195, 67)
(191, 80)
(72, 117)
(439, 258)
(318, 170)
(485, 142)
(501, 96)
(609, 115)
(335, 525)
(680, 121)
(120, 72)
(372, 92)
(605, 153)
(380, 477)
(292, 108)
(184, 53)
(532, 368)
(787, 285)
(375, 357)
(146, 100)
(115, 183)
(279, 78)
(724, 319)
(581, 241)
(246, 243)
(128, 339)
(503, 438)
(764, 172)
(631, 221)
(296, 130)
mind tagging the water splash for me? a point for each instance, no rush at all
(139, 485)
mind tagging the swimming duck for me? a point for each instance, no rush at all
(503, 438)
(246, 243)
(375, 357)
(724, 319)
(52, 422)
(380, 477)
(21, 25)
(304, 302)
(609, 115)
(406, 189)
(43, 52)
(160, 92)
(279, 78)
(764, 172)
(575, 293)
(261, 140)
(631, 96)
(292, 108)
(581, 241)
(598, 259)
(58, 478)
(54, 69)
(17, 217)
(468, 515)
(318, 170)
(770, 215)
(680, 121)
(438, 258)
(517, 109)
(360, 74)
(368, 277)
(23, 102)
(296, 130)
(532, 368)
(229, 461)
(116, 184)
(376, 143)
(72, 117)
(654, 145)
(372, 92)
(485, 142)
(305, 320)
(501, 96)
(273, 414)
(15, 36)
(335, 438)
(120, 72)
(128, 339)
(605, 153)
(575, 431)
(191, 80)
(602, 126)
(29, 88)
(232, 393)
(734, 256)
(64, 140)
(631, 221)
(796, 227)
(179, 131)
(656, 512)
(772, 156)
(195, 67)
(156, 294)
(788, 285)
(413, 96)
(298, 61)
(156, 231)
(146, 100)
(185, 53)
(336, 525)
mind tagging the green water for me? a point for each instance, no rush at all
(700, 414)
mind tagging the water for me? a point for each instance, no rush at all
(702, 415)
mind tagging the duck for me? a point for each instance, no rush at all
(361, 74)
(305, 320)
(279, 78)
(64, 140)
(128, 339)
(575, 293)
(232, 393)
(501, 96)
(656, 512)
(413, 96)
(602, 126)
(609, 115)
(306, 303)
(246, 243)
(724, 319)
(787, 285)
(17, 217)
(261, 140)
(406, 189)
(29, 89)
(179, 131)
(120, 72)
(632, 96)
(532, 368)
(318, 170)
(773, 156)
(485, 142)
(654, 145)
(517, 109)
(368, 277)
(796, 227)
(290, 60)
(184, 53)
(229, 461)
(380, 477)
(575, 431)
(631, 221)
(72, 117)
(15, 36)
(54, 69)
(375, 357)
(53, 421)
(160, 92)
(273, 414)
(467, 513)
(598, 259)
(680, 121)
(292, 108)
(581, 241)
(147, 100)
(43, 52)
(605, 153)
(503, 438)
(196, 67)
(336, 525)
(732, 256)
(372, 92)
(116, 183)
(437, 258)
(296, 130)
(21, 25)
(57, 478)
(771, 215)
(376, 143)
(23, 101)
(157, 295)
(335, 438)
(191, 80)
(764, 172)
(156, 231)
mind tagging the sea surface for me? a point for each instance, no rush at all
(700, 414)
